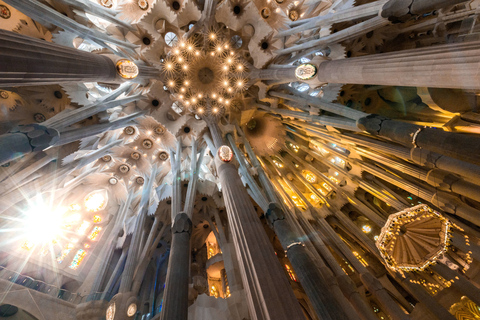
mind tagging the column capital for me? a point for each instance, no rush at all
(371, 123)
(39, 137)
(182, 224)
(274, 213)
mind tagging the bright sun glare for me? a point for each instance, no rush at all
(42, 224)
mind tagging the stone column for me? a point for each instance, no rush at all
(371, 283)
(400, 10)
(26, 61)
(464, 147)
(419, 156)
(175, 300)
(24, 139)
(454, 65)
(269, 295)
(287, 73)
(312, 281)
(459, 281)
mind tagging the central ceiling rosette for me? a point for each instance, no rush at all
(205, 72)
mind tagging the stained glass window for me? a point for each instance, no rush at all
(64, 252)
(96, 201)
(83, 227)
(93, 235)
(78, 259)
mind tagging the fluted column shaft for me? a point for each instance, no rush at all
(444, 66)
(419, 156)
(309, 276)
(175, 300)
(131, 263)
(269, 295)
(26, 61)
(370, 282)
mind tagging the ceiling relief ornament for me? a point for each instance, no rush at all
(127, 69)
(107, 3)
(4, 94)
(163, 156)
(414, 238)
(305, 71)
(5, 12)
(205, 73)
(143, 4)
(129, 130)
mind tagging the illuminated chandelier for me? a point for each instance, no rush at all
(205, 73)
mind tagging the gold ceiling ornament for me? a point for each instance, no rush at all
(163, 156)
(466, 309)
(129, 130)
(135, 155)
(205, 72)
(147, 143)
(127, 69)
(160, 130)
(414, 238)
(293, 15)
(140, 180)
(124, 168)
(143, 4)
(107, 3)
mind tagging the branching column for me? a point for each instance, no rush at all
(28, 61)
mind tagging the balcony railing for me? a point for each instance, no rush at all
(49, 289)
